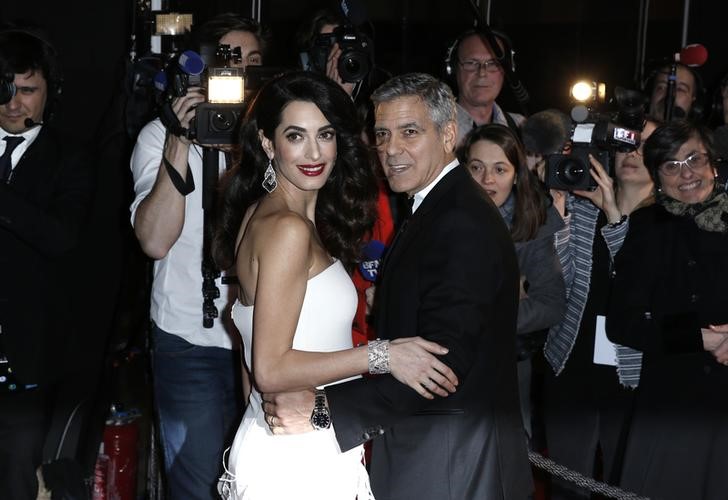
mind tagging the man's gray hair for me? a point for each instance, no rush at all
(436, 95)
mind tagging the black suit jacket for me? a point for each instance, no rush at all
(42, 210)
(450, 277)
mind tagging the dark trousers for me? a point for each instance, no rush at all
(581, 417)
(23, 422)
(199, 404)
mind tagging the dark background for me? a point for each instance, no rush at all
(556, 41)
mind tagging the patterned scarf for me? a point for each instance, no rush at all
(709, 215)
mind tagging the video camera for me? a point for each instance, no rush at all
(599, 135)
(7, 86)
(356, 57)
(216, 120)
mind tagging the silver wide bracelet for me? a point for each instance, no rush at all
(378, 351)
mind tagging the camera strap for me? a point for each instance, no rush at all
(170, 121)
(184, 187)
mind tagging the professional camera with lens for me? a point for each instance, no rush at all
(7, 86)
(355, 61)
(216, 120)
(599, 138)
(570, 172)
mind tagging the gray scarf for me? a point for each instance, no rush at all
(709, 215)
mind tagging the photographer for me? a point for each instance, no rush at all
(586, 398)
(46, 189)
(687, 97)
(338, 47)
(195, 369)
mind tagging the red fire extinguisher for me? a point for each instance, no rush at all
(121, 437)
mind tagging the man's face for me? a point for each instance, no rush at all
(482, 86)
(411, 149)
(684, 91)
(249, 47)
(29, 102)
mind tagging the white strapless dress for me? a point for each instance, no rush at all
(261, 465)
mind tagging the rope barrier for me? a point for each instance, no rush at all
(563, 472)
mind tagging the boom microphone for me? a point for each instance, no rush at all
(29, 123)
(693, 55)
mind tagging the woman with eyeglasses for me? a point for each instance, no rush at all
(670, 301)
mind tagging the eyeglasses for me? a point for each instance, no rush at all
(471, 66)
(696, 162)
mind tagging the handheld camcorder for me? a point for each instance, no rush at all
(7, 87)
(355, 61)
(216, 120)
(7, 83)
(599, 136)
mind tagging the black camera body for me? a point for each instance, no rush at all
(570, 172)
(215, 121)
(599, 138)
(356, 57)
(7, 86)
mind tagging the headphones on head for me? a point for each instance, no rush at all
(51, 68)
(697, 109)
(451, 56)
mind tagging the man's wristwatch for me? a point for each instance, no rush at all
(320, 417)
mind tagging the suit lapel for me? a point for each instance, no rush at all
(411, 226)
(31, 170)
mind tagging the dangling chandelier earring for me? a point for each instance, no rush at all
(269, 179)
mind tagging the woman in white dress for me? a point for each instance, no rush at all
(293, 216)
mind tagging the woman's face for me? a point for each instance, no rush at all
(488, 165)
(688, 181)
(629, 168)
(303, 148)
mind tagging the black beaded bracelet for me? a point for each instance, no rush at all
(621, 221)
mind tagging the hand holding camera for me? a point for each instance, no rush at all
(200, 102)
(350, 49)
(332, 69)
(184, 108)
(603, 195)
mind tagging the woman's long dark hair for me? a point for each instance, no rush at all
(530, 208)
(345, 207)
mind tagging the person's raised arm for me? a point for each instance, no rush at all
(160, 217)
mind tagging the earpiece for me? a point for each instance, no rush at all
(51, 68)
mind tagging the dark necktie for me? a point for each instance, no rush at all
(6, 165)
(410, 204)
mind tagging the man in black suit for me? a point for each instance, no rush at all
(45, 192)
(450, 277)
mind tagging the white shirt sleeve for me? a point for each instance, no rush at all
(145, 161)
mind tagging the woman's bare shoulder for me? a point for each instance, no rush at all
(282, 229)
